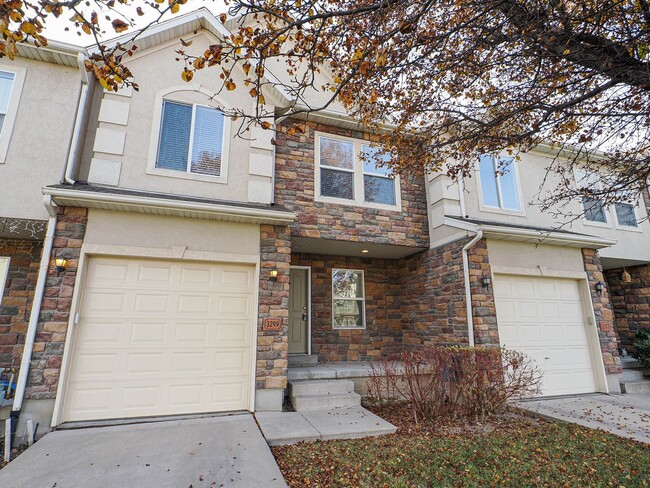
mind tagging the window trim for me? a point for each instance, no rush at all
(12, 109)
(6, 261)
(630, 228)
(357, 172)
(168, 95)
(606, 210)
(488, 208)
(363, 300)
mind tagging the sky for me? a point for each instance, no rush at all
(55, 28)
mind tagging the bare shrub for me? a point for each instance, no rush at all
(454, 382)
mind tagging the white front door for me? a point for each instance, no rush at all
(161, 337)
(544, 318)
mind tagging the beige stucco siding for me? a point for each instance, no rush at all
(38, 148)
(631, 244)
(525, 255)
(157, 72)
(151, 231)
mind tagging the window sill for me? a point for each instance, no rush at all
(354, 203)
(501, 211)
(348, 328)
(187, 176)
(601, 225)
(628, 228)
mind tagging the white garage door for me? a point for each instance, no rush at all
(544, 318)
(160, 338)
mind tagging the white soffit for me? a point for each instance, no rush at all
(152, 205)
(308, 245)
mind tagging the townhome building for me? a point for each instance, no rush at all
(191, 269)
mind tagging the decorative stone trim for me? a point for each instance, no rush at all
(55, 309)
(273, 346)
(630, 301)
(17, 297)
(603, 312)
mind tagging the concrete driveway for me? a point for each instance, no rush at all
(208, 452)
(623, 415)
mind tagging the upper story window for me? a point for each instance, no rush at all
(348, 299)
(6, 86)
(11, 87)
(499, 187)
(594, 208)
(191, 139)
(343, 174)
(626, 214)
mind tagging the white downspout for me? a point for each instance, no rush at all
(36, 305)
(79, 122)
(468, 291)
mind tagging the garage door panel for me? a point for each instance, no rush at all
(549, 326)
(100, 302)
(152, 273)
(161, 338)
(141, 332)
(102, 334)
(96, 365)
(237, 280)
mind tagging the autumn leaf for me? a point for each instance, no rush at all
(119, 25)
(187, 75)
(230, 85)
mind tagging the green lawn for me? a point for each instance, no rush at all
(516, 453)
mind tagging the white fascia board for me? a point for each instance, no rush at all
(551, 236)
(208, 21)
(62, 195)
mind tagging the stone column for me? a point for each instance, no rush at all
(273, 346)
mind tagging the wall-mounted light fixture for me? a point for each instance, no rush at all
(273, 274)
(485, 281)
(600, 286)
(60, 264)
(626, 277)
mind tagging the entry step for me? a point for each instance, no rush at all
(303, 360)
(323, 394)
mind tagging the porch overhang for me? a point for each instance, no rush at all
(508, 232)
(169, 205)
(332, 247)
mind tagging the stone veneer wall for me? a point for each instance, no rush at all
(294, 186)
(55, 309)
(383, 332)
(17, 297)
(603, 312)
(418, 300)
(273, 347)
(484, 309)
(433, 296)
(631, 302)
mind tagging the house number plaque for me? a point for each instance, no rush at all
(272, 324)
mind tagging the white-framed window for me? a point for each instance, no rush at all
(499, 183)
(6, 88)
(4, 271)
(343, 175)
(348, 299)
(11, 86)
(191, 139)
(594, 210)
(626, 215)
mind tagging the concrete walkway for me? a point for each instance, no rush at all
(623, 415)
(282, 428)
(208, 452)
